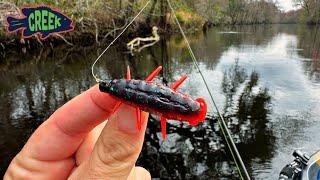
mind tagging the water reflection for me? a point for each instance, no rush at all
(201, 152)
(311, 51)
(265, 80)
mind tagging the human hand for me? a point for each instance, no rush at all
(74, 143)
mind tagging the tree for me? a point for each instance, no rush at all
(235, 7)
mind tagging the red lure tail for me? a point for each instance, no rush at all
(202, 114)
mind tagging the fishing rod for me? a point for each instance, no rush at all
(221, 121)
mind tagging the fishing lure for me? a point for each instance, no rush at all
(157, 99)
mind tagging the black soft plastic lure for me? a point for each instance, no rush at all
(156, 98)
(151, 95)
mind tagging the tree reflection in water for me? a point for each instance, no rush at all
(199, 152)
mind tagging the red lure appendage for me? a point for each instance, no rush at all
(192, 118)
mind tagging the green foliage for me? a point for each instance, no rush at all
(217, 15)
(191, 13)
(303, 17)
(233, 6)
(47, 2)
(180, 19)
(2, 32)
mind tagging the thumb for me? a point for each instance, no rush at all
(117, 148)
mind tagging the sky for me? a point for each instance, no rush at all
(286, 5)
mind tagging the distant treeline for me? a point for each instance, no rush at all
(232, 12)
(309, 13)
(238, 11)
(106, 15)
(101, 20)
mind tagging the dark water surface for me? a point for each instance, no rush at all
(265, 79)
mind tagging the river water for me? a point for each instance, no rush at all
(265, 80)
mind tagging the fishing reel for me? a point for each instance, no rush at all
(293, 171)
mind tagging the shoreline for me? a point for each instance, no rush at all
(79, 38)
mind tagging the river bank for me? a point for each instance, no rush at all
(99, 22)
(93, 25)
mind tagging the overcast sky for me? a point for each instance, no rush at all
(287, 5)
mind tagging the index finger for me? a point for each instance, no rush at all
(60, 136)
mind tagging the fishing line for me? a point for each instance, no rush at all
(221, 121)
(95, 62)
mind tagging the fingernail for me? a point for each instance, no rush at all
(127, 120)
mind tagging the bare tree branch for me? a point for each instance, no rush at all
(134, 45)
